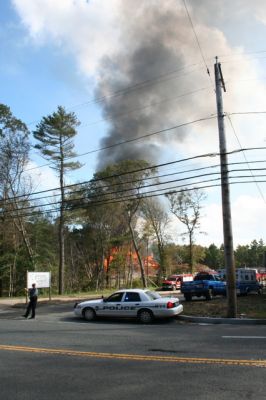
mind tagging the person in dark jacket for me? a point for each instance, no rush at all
(33, 297)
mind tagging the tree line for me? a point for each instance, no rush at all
(110, 231)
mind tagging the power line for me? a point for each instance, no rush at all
(121, 200)
(145, 186)
(149, 135)
(246, 113)
(198, 43)
(122, 174)
(124, 190)
(119, 115)
(126, 114)
(157, 78)
(259, 189)
(155, 177)
(135, 139)
(138, 170)
(139, 85)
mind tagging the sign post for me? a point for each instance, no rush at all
(41, 279)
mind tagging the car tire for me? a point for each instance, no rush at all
(188, 297)
(89, 314)
(145, 316)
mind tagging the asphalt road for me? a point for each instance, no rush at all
(57, 356)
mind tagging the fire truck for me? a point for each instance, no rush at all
(173, 282)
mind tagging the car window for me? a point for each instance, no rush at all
(202, 277)
(132, 296)
(152, 295)
(115, 297)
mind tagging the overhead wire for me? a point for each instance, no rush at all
(182, 125)
(139, 85)
(164, 100)
(152, 167)
(159, 77)
(128, 189)
(125, 190)
(128, 198)
(244, 155)
(197, 40)
(135, 181)
(151, 134)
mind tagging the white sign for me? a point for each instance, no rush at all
(41, 279)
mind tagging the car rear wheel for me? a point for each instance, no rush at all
(145, 316)
(89, 314)
(188, 297)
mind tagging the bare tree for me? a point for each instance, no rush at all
(14, 153)
(122, 183)
(186, 206)
(158, 220)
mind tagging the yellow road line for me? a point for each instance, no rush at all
(137, 357)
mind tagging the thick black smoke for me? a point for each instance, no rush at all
(156, 39)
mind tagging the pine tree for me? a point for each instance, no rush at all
(55, 135)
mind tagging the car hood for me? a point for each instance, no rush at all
(88, 302)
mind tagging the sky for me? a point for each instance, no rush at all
(130, 68)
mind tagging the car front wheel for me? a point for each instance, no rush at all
(89, 314)
(145, 316)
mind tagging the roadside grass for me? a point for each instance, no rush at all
(251, 306)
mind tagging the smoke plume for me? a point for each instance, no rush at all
(157, 47)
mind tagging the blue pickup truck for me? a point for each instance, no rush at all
(204, 284)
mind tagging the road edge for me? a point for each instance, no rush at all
(213, 320)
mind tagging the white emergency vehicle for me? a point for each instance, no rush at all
(246, 280)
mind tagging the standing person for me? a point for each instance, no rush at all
(33, 296)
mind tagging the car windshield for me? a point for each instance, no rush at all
(171, 279)
(152, 295)
(115, 297)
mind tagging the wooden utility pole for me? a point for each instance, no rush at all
(226, 206)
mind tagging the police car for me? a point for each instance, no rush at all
(136, 303)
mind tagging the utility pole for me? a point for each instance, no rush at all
(226, 206)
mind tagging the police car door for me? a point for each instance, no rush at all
(112, 305)
(131, 304)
